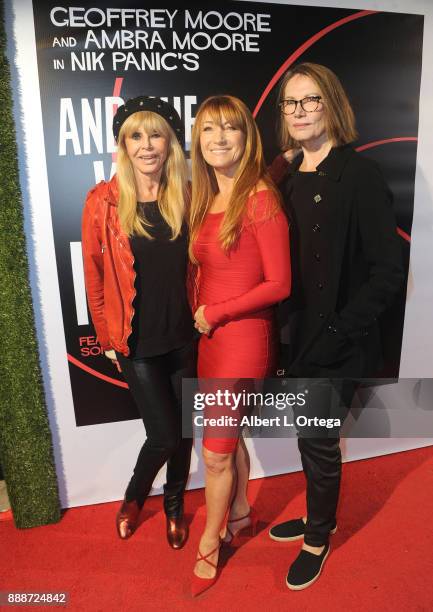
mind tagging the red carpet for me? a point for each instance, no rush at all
(381, 557)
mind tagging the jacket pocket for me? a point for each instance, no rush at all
(332, 347)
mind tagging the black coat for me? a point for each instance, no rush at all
(364, 257)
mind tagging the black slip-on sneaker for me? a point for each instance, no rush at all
(306, 569)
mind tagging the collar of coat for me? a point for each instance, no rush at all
(333, 164)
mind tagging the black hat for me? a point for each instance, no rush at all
(155, 105)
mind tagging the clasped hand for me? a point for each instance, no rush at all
(200, 321)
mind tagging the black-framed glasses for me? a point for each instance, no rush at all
(309, 104)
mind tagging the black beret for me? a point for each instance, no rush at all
(155, 105)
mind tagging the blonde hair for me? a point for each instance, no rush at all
(340, 119)
(251, 170)
(172, 192)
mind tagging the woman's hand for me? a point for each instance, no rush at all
(200, 321)
(111, 355)
(290, 154)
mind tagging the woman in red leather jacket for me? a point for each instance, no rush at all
(240, 242)
(135, 251)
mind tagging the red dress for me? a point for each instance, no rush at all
(239, 290)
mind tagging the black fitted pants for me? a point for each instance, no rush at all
(156, 386)
(321, 455)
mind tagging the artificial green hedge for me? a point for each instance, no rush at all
(25, 437)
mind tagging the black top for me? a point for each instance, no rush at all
(312, 223)
(162, 321)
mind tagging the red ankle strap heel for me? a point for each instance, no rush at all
(198, 584)
(254, 519)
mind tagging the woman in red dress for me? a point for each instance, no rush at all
(239, 241)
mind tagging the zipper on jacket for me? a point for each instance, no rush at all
(134, 293)
(128, 332)
(122, 246)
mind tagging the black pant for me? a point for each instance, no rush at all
(321, 454)
(156, 385)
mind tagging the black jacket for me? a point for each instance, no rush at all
(343, 339)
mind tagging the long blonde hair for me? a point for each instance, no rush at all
(172, 192)
(251, 170)
(340, 118)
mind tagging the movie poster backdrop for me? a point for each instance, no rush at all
(93, 56)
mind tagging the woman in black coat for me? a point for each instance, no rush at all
(347, 271)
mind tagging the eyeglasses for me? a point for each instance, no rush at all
(308, 104)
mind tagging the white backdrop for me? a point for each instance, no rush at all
(94, 462)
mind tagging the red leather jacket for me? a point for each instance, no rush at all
(108, 268)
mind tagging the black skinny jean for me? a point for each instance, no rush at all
(156, 386)
(321, 454)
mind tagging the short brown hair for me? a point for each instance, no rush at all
(340, 117)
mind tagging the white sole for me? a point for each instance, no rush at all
(294, 538)
(300, 587)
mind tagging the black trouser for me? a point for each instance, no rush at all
(321, 455)
(156, 385)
